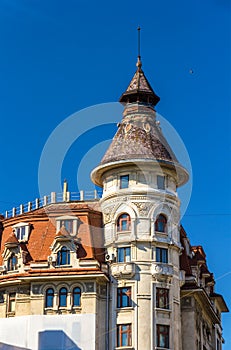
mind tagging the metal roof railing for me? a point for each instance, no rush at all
(54, 198)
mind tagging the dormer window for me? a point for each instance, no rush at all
(124, 181)
(12, 263)
(63, 256)
(161, 224)
(22, 231)
(69, 222)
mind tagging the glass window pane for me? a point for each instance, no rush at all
(128, 254)
(124, 181)
(63, 297)
(76, 296)
(160, 182)
(49, 297)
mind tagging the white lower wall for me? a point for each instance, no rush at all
(62, 332)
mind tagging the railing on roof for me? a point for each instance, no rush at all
(54, 198)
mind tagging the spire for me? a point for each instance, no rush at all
(139, 89)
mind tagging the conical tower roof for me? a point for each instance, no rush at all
(139, 137)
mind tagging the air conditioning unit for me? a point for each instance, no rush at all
(51, 259)
(110, 256)
(2, 268)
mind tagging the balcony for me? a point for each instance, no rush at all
(161, 269)
(123, 270)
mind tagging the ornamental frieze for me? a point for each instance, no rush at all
(143, 207)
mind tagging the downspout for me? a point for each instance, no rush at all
(107, 317)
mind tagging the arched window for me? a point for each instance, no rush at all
(76, 296)
(63, 297)
(63, 256)
(49, 297)
(12, 262)
(161, 223)
(124, 222)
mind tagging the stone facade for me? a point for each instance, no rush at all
(117, 272)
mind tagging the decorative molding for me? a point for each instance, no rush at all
(143, 207)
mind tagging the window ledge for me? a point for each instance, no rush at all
(127, 347)
(163, 310)
(126, 308)
(12, 271)
(65, 265)
(125, 231)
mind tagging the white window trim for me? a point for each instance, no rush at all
(27, 230)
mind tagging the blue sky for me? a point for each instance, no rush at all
(60, 57)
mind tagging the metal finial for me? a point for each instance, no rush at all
(139, 64)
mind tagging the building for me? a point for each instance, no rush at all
(116, 272)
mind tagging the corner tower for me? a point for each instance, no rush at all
(140, 175)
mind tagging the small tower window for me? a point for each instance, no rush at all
(63, 297)
(124, 222)
(12, 262)
(49, 297)
(162, 255)
(63, 256)
(76, 296)
(124, 254)
(161, 223)
(124, 181)
(161, 182)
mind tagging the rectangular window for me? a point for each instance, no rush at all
(68, 224)
(162, 255)
(124, 254)
(161, 182)
(21, 233)
(124, 181)
(162, 336)
(11, 305)
(162, 298)
(124, 297)
(124, 335)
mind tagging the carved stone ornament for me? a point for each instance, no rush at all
(107, 214)
(143, 208)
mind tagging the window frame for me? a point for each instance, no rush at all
(79, 294)
(10, 265)
(161, 219)
(124, 254)
(48, 294)
(124, 297)
(161, 182)
(162, 256)
(11, 302)
(63, 294)
(124, 181)
(162, 298)
(22, 231)
(65, 219)
(121, 332)
(164, 333)
(63, 254)
(123, 218)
